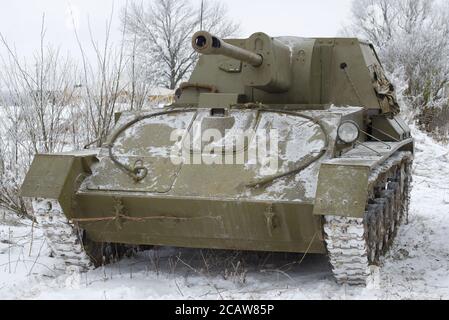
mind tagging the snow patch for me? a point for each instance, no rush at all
(417, 267)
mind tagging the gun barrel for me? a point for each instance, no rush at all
(205, 43)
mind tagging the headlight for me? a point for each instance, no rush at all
(348, 132)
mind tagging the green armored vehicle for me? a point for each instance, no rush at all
(275, 144)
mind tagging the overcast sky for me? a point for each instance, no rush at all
(20, 20)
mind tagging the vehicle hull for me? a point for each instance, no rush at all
(201, 223)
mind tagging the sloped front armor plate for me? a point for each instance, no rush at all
(147, 141)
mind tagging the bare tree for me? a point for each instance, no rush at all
(41, 93)
(34, 116)
(163, 30)
(411, 36)
(102, 84)
(140, 84)
(373, 20)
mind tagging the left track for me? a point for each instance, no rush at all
(63, 238)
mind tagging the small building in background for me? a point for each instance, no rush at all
(160, 96)
(157, 97)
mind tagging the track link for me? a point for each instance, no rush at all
(63, 238)
(356, 246)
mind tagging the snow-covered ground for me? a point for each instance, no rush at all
(416, 268)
